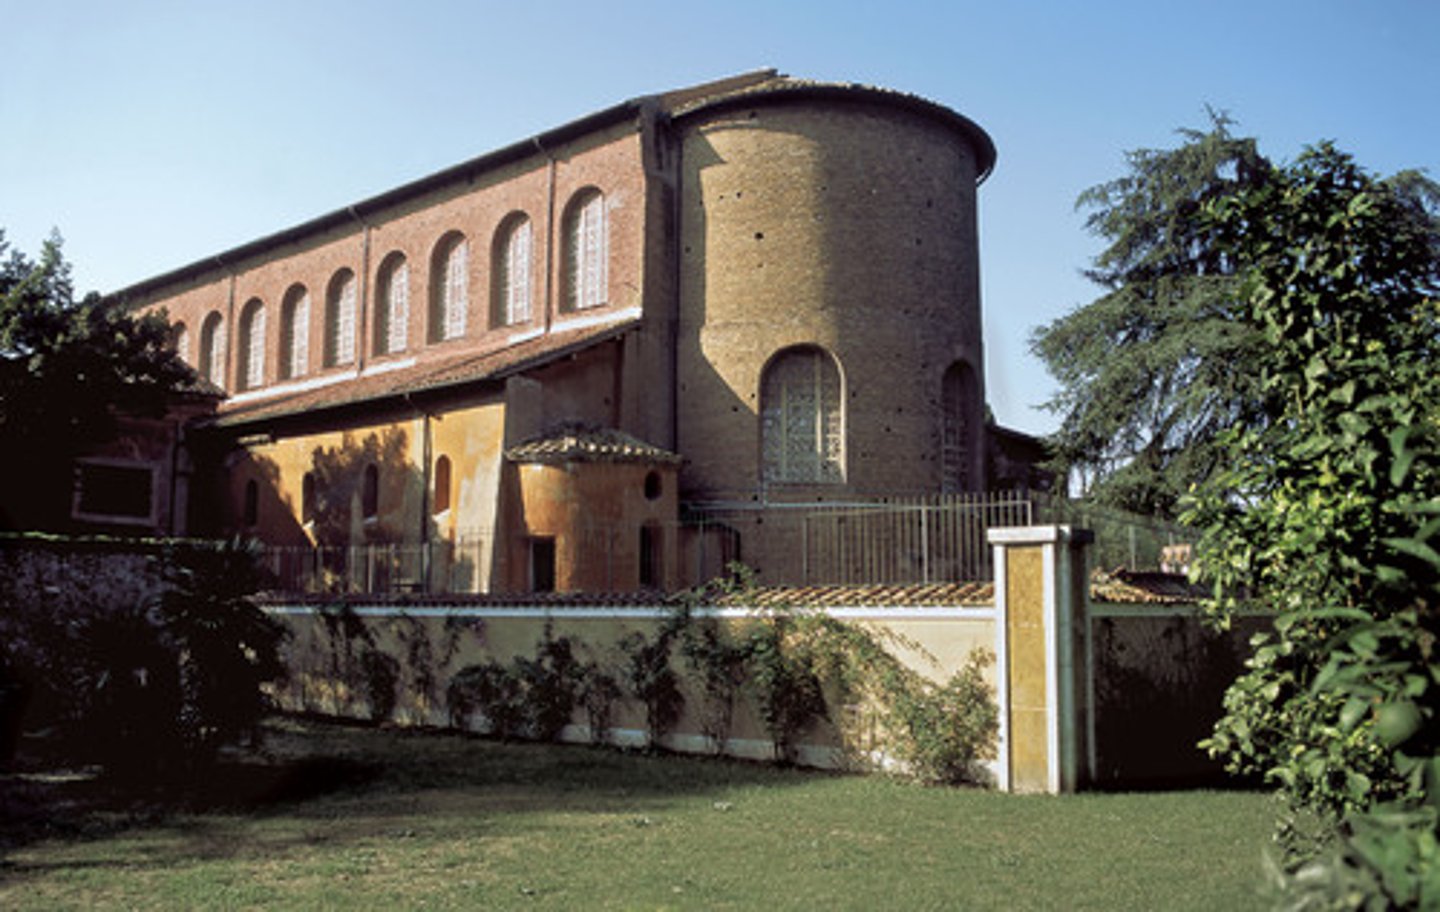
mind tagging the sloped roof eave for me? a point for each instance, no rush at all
(425, 382)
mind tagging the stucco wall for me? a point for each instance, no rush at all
(431, 643)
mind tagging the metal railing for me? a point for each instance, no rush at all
(892, 541)
(382, 567)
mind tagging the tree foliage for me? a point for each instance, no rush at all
(1156, 368)
(67, 367)
(1327, 513)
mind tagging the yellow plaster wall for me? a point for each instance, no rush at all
(1026, 678)
(937, 648)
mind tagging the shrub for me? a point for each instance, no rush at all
(719, 665)
(943, 732)
(652, 681)
(598, 693)
(381, 672)
(549, 684)
(491, 689)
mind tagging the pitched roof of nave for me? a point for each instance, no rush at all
(677, 104)
(396, 380)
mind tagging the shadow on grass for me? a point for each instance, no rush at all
(310, 770)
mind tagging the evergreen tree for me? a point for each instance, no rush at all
(1148, 370)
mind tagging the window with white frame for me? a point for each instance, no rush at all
(586, 251)
(252, 345)
(340, 320)
(212, 349)
(802, 421)
(512, 271)
(295, 333)
(392, 317)
(449, 288)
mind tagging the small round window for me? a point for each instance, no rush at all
(653, 486)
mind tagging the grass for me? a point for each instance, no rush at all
(339, 817)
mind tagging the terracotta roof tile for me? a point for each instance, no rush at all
(1138, 587)
(584, 443)
(427, 374)
(1116, 586)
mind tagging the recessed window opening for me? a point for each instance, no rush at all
(392, 318)
(586, 253)
(511, 303)
(654, 487)
(370, 492)
(542, 564)
(650, 556)
(251, 510)
(441, 497)
(802, 421)
(340, 319)
(295, 333)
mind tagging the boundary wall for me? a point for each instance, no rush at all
(1110, 692)
(433, 642)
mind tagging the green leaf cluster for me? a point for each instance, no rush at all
(1327, 509)
(67, 367)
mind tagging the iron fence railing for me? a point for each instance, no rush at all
(942, 538)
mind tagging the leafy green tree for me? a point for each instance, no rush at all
(1326, 512)
(67, 367)
(1153, 371)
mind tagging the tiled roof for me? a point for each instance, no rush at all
(873, 596)
(584, 443)
(428, 374)
(1112, 587)
(1137, 587)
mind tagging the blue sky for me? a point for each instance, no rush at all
(152, 134)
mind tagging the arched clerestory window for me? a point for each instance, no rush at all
(510, 296)
(252, 345)
(802, 418)
(212, 348)
(586, 251)
(449, 288)
(180, 341)
(392, 305)
(340, 314)
(295, 333)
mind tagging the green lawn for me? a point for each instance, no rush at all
(354, 818)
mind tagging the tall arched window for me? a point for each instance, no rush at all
(295, 333)
(370, 492)
(251, 507)
(180, 342)
(392, 305)
(340, 319)
(511, 271)
(308, 503)
(449, 297)
(440, 502)
(212, 349)
(252, 345)
(802, 420)
(961, 400)
(586, 251)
